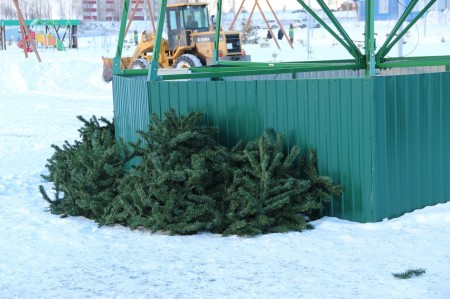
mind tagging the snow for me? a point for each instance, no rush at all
(45, 256)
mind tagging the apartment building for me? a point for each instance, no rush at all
(111, 10)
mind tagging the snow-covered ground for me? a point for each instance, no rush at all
(44, 256)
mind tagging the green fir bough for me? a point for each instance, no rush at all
(186, 182)
(269, 193)
(85, 174)
(178, 185)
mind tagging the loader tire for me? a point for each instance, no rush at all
(187, 61)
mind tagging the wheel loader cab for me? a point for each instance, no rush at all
(184, 19)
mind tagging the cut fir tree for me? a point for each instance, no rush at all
(177, 186)
(262, 196)
(185, 182)
(85, 174)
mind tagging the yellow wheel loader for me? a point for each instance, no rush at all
(190, 42)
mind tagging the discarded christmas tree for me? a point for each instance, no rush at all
(262, 196)
(85, 174)
(185, 182)
(183, 173)
(321, 189)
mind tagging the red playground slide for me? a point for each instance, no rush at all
(28, 40)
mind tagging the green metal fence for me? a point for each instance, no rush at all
(384, 138)
(412, 140)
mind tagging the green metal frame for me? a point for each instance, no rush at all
(123, 22)
(153, 72)
(369, 39)
(217, 35)
(370, 60)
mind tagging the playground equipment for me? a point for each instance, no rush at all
(269, 28)
(39, 39)
(46, 40)
(48, 33)
(190, 43)
(27, 42)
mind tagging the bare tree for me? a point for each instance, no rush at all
(76, 9)
(7, 10)
(46, 9)
(61, 9)
(31, 9)
(43, 9)
(23, 5)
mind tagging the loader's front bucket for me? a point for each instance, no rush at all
(108, 63)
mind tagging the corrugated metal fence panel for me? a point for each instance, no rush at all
(231, 106)
(383, 138)
(344, 143)
(332, 116)
(131, 109)
(412, 141)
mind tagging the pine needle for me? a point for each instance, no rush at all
(409, 273)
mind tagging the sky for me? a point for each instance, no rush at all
(45, 256)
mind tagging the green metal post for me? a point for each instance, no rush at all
(217, 35)
(123, 22)
(370, 39)
(153, 72)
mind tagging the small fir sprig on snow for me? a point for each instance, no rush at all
(409, 273)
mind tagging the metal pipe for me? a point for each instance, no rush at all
(123, 21)
(153, 71)
(369, 40)
(217, 34)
